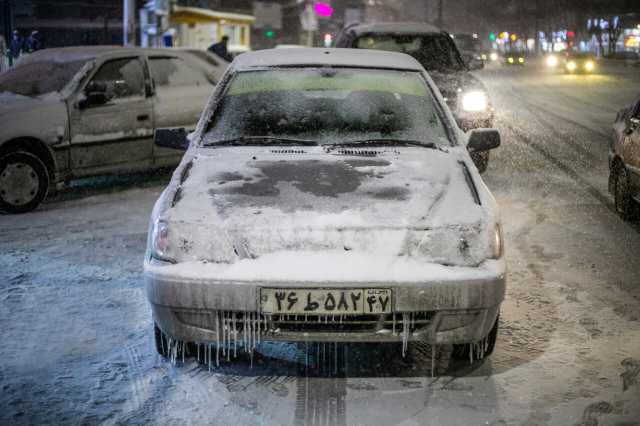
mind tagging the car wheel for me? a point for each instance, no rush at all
(162, 345)
(24, 182)
(481, 160)
(624, 204)
(462, 352)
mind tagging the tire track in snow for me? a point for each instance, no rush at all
(322, 386)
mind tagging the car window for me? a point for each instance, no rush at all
(39, 78)
(328, 106)
(175, 72)
(434, 52)
(123, 78)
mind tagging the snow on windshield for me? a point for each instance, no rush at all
(434, 52)
(39, 78)
(328, 106)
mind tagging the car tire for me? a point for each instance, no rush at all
(162, 345)
(481, 160)
(462, 352)
(624, 204)
(24, 182)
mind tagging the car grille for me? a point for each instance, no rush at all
(238, 320)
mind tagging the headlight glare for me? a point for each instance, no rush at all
(493, 56)
(475, 101)
(571, 66)
(552, 61)
(589, 66)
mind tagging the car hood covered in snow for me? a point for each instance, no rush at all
(235, 203)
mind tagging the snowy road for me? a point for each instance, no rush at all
(76, 331)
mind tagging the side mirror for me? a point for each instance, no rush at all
(483, 140)
(95, 94)
(171, 138)
(634, 124)
(473, 63)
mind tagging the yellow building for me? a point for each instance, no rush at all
(199, 28)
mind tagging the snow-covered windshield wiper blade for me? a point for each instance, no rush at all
(388, 141)
(261, 140)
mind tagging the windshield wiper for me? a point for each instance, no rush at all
(389, 141)
(261, 140)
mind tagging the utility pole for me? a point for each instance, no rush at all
(440, 14)
(129, 22)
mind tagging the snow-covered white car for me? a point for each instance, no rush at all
(82, 111)
(327, 195)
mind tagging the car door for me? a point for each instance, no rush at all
(181, 93)
(114, 134)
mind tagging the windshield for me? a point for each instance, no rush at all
(39, 78)
(328, 106)
(434, 52)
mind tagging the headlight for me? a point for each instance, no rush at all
(589, 66)
(571, 66)
(521, 60)
(510, 60)
(497, 243)
(552, 61)
(160, 241)
(483, 57)
(474, 101)
(493, 56)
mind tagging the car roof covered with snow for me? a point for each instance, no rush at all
(304, 57)
(393, 27)
(80, 53)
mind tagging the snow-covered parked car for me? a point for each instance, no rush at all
(326, 195)
(624, 162)
(75, 112)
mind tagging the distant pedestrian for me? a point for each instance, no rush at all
(220, 49)
(17, 45)
(33, 42)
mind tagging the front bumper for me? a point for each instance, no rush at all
(438, 310)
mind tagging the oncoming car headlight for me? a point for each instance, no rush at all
(493, 56)
(571, 66)
(497, 243)
(589, 66)
(160, 241)
(474, 101)
(552, 61)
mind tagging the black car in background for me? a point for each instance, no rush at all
(436, 51)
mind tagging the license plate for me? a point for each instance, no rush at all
(325, 301)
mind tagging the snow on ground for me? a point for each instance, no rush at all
(77, 343)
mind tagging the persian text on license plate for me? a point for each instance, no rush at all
(325, 301)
